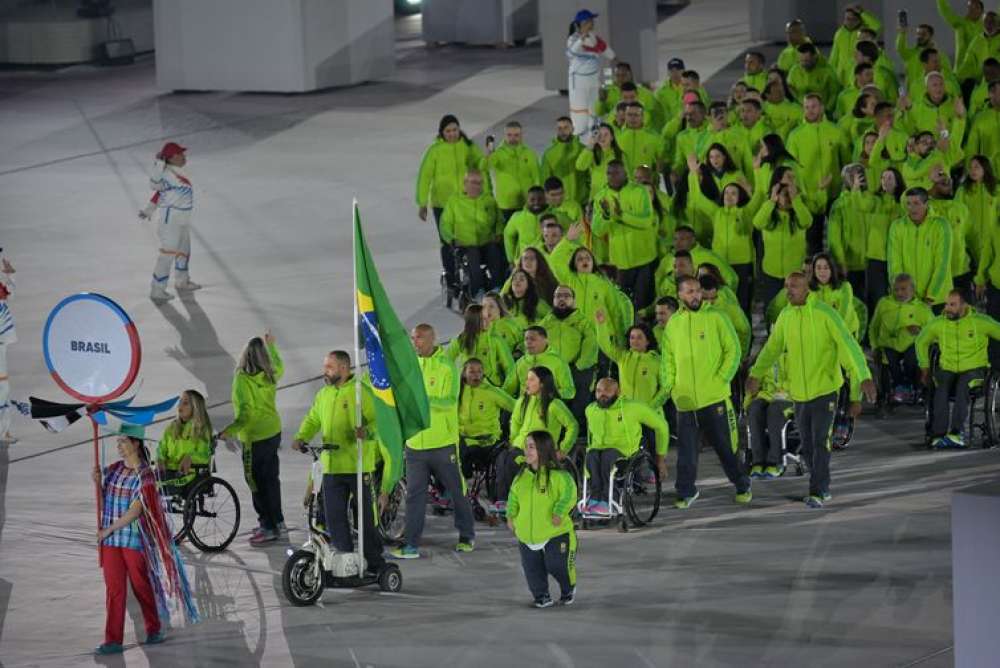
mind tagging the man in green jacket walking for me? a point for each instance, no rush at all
(514, 165)
(559, 160)
(471, 221)
(963, 337)
(435, 449)
(573, 337)
(816, 345)
(920, 245)
(700, 357)
(624, 212)
(333, 416)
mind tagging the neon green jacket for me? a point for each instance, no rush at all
(515, 169)
(737, 318)
(925, 115)
(784, 238)
(891, 319)
(619, 426)
(979, 50)
(632, 233)
(567, 213)
(916, 171)
(817, 344)
(490, 349)
(442, 170)
(984, 136)
(736, 140)
(957, 214)
(847, 228)
(965, 29)
(559, 159)
(441, 381)
(596, 293)
(559, 423)
(700, 358)
(964, 343)
(469, 221)
(332, 415)
(984, 209)
(479, 410)
(640, 147)
(573, 338)
(638, 373)
(690, 140)
(732, 227)
(988, 269)
(174, 447)
(551, 361)
(508, 330)
(917, 250)
(699, 256)
(887, 209)
(521, 231)
(255, 413)
(820, 148)
(535, 498)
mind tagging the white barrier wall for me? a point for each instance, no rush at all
(272, 45)
(975, 553)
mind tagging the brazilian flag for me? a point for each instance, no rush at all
(401, 406)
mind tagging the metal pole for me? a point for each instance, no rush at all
(360, 498)
(99, 497)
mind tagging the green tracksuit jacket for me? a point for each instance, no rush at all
(573, 338)
(551, 361)
(559, 159)
(820, 148)
(533, 501)
(817, 344)
(479, 410)
(784, 237)
(638, 373)
(521, 231)
(700, 358)
(442, 170)
(490, 349)
(255, 413)
(471, 221)
(441, 381)
(332, 415)
(891, 319)
(526, 417)
(514, 169)
(632, 232)
(847, 228)
(917, 250)
(619, 426)
(964, 343)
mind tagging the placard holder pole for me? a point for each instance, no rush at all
(99, 497)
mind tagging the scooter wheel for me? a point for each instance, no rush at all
(299, 581)
(391, 579)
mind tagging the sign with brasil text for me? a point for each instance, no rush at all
(91, 347)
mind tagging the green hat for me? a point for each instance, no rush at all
(132, 431)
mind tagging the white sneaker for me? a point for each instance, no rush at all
(160, 295)
(188, 286)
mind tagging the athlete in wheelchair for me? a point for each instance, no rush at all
(897, 322)
(961, 376)
(772, 441)
(480, 405)
(185, 460)
(622, 478)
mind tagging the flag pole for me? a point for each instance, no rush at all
(360, 497)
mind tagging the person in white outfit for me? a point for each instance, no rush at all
(585, 51)
(8, 335)
(174, 197)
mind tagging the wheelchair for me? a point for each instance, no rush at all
(843, 423)
(458, 296)
(983, 420)
(207, 504)
(791, 443)
(634, 496)
(483, 490)
(885, 404)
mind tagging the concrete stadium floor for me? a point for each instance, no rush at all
(867, 580)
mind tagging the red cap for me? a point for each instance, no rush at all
(691, 97)
(169, 150)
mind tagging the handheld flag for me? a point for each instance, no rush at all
(401, 406)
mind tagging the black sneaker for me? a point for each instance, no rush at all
(568, 599)
(544, 602)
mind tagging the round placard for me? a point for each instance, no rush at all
(91, 347)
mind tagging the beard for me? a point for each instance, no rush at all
(331, 380)
(693, 307)
(562, 313)
(605, 402)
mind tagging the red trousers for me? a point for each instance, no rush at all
(120, 563)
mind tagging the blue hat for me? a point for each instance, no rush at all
(584, 15)
(132, 431)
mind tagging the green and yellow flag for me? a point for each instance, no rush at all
(401, 406)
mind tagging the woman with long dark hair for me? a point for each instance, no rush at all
(440, 176)
(708, 179)
(827, 280)
(498, 321)
(783, 220)
(522, 300)
(595, 158)
(978, 191)
(535, 265)
(476, 341)
(539, 408)
(888, 208)
(257, 425)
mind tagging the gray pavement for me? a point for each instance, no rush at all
(866, 581)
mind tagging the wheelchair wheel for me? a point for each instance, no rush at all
(642, 489)
(993, 412)
(212, 514)
(392, 522)
(175, 506)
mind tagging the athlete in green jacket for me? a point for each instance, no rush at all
(897, 321)
(966, 27)
(538, 353)
(514, 166)
(523, 229)
(820, 147)
(638, 364)
(984, 133)
(816, 345)
(701, 356)
(471, 219)
(963, 339)
(846, 37)
(917, 243)
(480, 405)
(538, 509)
(186, 442)
(559, 160)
